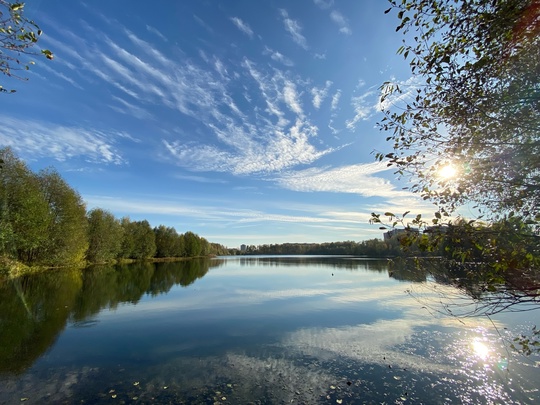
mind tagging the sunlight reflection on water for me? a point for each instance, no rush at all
(480, 349)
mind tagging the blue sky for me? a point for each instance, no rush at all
(243, 121)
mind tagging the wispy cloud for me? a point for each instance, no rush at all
(35, 139)
(269, 91)
(335, 100)
(273, 133)
(242, 26)
(61, 76)
(155, 31)
(335, 16)
(324, 4)
(284, 149)
(278, 57)
(131, 109)
(341, 22)
(198, 179)
(356, 179)
(371, 102)
(319, 94)
(317, 216)
(290, 97)
(201, 22)
(408, 88)
(294, 28)
(364, 107)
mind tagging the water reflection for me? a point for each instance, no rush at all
(258, 329)
(335, 262)
(34, 309)
(480, 349)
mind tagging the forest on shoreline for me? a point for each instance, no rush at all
(44, 223)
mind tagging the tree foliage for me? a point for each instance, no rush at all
(373, 248)
(24, 210)
(18, 35)
(43, 221)
(105, 235)
(475, 105)
(168, 242)
(66, 241)
(473, 102)
(139, 239)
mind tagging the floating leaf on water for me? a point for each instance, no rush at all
(165, 387)
(332, 387)
(111, 391)
(339, 401)
(223, 398)
(24, 399)
(135, 398)
(136, 383)
(113, 396)
(396, 377)
(229, 385)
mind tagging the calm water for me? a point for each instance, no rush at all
(260, 330)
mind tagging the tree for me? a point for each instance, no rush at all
(24, 210)
(476, 107)
(66, 241)
(475, 104)
(465, 130)
(128, 241)
(105, 234)
(193, 244)
(43, 219)
(18, 35)
(167, 242)
(139, 240)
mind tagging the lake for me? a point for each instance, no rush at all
(262, 330)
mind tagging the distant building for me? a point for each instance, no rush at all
(438, 229)
(243, 248)
(396, 233)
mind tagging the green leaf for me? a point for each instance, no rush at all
(48, 54)
(16, 6)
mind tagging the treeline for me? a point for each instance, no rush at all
(43, 221)
(369, 248)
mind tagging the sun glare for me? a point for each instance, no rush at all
(448, 171)
(480, 349)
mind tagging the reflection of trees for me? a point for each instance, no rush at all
(167, 274)
(34, 309)
(404, 270)
(343, 262)
(475, 291)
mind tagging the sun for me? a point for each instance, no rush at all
(447, 172)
